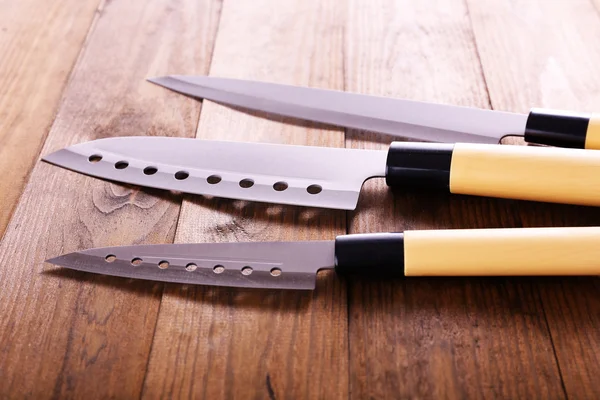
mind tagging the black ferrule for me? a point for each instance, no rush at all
(557, 128)
(370, 254)
(419, 165)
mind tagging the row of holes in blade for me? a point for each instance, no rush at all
(191, 267)
(213, 179)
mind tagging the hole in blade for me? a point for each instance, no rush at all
(136, 261)
(280, 186)
(181, 175)
(191, 267)
(150, 170)
(164, 264)
(110, 258)
(94, 158)
(275, 271)
(247, 270)
(314, 189)
(121, 164)
(213, 179)
(218, 269)
(246, 183)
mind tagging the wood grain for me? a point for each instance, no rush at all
(65, 334)
(435, 338)
(68, 334)
(226, 343)
(39, 45)
(551, 64)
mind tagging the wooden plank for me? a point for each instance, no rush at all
(537, 53)
(69, 334)
(39, 43)
(226, 343)
(435, 338)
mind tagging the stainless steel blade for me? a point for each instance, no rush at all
(405, 118)
(301, 175)
(276, 265)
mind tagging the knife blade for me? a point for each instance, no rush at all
(294, 265)
(333, 177)
(424, 121)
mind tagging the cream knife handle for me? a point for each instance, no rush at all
(563, 129)
(472, 252)
(496, 252)
(556, 175)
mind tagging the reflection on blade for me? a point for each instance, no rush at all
(277, 265)
(299, 175)
(405, 118)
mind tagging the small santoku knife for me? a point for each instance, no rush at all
(294, 265)
(405, 118)
(333, 177)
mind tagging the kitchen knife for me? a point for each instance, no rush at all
(405, 118)
(333, 177)
(294, 265)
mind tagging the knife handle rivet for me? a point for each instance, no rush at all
(150, 170)
(218, 269)
(247, 270)
(136, 261)
(213, 179)
(164, 264)
(246, 183)
(121, 164)
(314, 189)
(280, 186)
(181, 175)
(191, 267)
(94, 158)
(110, 258)
(275, 272)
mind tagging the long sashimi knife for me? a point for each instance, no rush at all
(333, 177)
(405, 118)
(294, 265)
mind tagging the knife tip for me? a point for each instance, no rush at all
(52, 157)
(67, 260)
(54, 260)
(162, 78)
(167, 80)
(156, 79)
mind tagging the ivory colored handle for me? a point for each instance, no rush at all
(556, 175)
(592, 136)
(502, 252)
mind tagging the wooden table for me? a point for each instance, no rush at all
(74, 70)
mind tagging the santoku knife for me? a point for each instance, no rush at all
(333, 177)
(294, 265)
(412, 119)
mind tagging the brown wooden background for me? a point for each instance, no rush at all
(74, 70)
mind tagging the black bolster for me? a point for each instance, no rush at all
(557, 128)
(370, 254)
(419, 165)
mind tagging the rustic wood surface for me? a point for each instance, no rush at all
(39, 43)
(73, 71)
